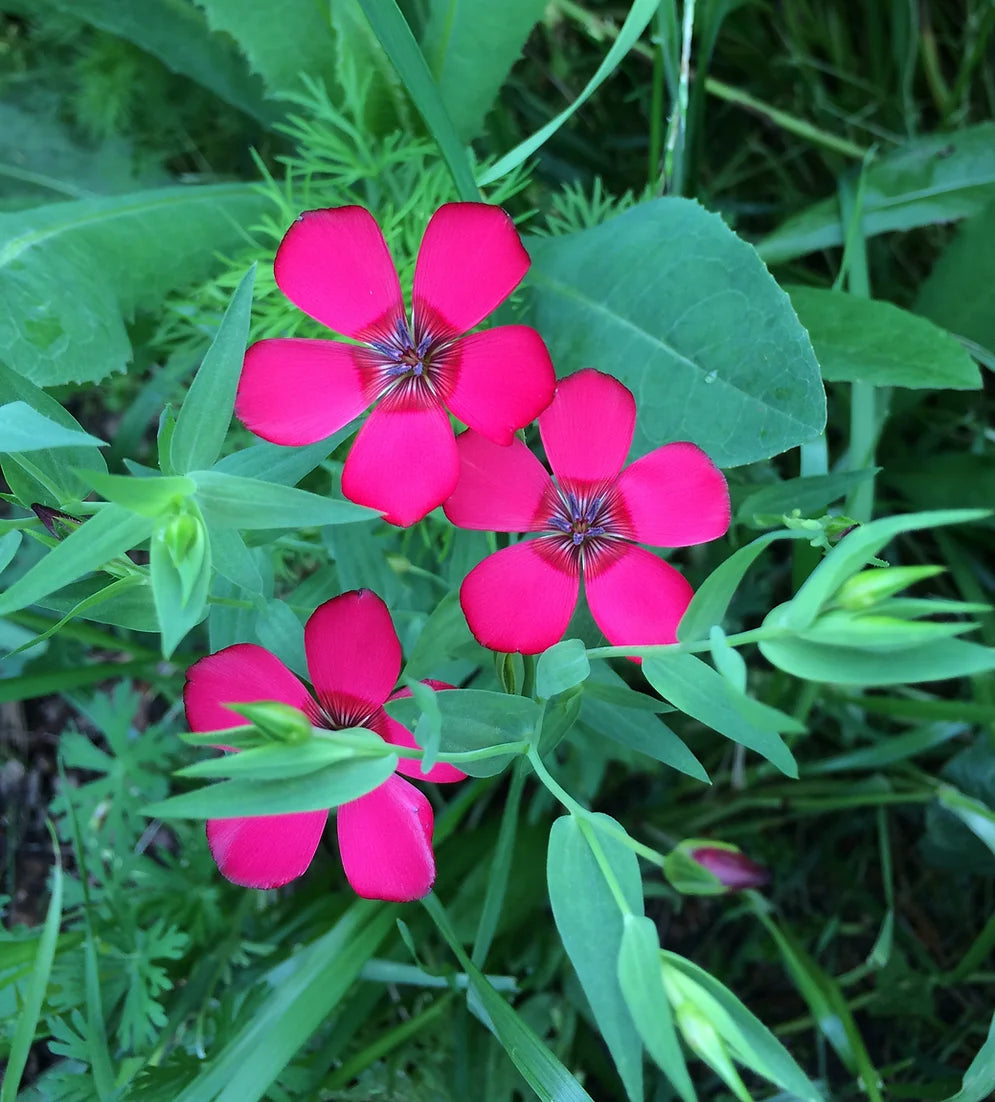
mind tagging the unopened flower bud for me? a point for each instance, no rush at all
(57, 523)
(700, 866)
(732, 867)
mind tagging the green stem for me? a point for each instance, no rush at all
(739, 639)
(656, 104)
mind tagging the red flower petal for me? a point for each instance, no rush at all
(295, 391)
(637, 598)
(675, 497)
(403, 462)
(440, 773)
(471, 258)
(266, 851)
(503, 379)
(385, 839)
(518, 600)
(587, 429)
(353, 653)
(500, 489)
(239, 673)
(335, 265)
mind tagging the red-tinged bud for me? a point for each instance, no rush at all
(57, 524)
(734, 870)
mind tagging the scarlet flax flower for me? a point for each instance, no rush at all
(354, 658)
(587, 523)
(335, 265)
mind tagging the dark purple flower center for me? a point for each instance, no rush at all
(585, 525)
(407, 360)
(338, 711)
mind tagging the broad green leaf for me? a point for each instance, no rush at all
(473, 719)
(853, 551)
(229, 501)
(23, 429)
(281, 41)
(539, 1066)
(590, 922)
(641, 979)
(178, 35)
(46, 476)
(726, 659)
(561, 667)
(470, 46)
(314, 791)
(640, 14)
(302, 992)
(938, 178)
(811, 496)
(149, 497)
(43, 158)
(956, 293)
(202, 423)
(58, 323)
(979, 1079)
(864, 340)
(751, 1041)
(933, 661)
(103, 537)
(643, 731)
(34, 991)
(627, 298)
(275, 761)
(399, 44)
(697, 690)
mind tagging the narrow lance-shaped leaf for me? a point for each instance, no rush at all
(229, 501)
(202, 423)
(640, 14)
(23, 429)
(103, 537)
(591, 924)
(696, 689)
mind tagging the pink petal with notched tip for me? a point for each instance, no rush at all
(500, 489)
(518, 600)
(335, 265)
(352, 649)
(503, 380)
(403, 462)
(637, 598)
(675, 497)
(265, 851)
(587, 429)
(471, 258)
(297, 391)
(385, 839)
(243, 672)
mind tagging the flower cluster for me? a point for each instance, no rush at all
(582, 524)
